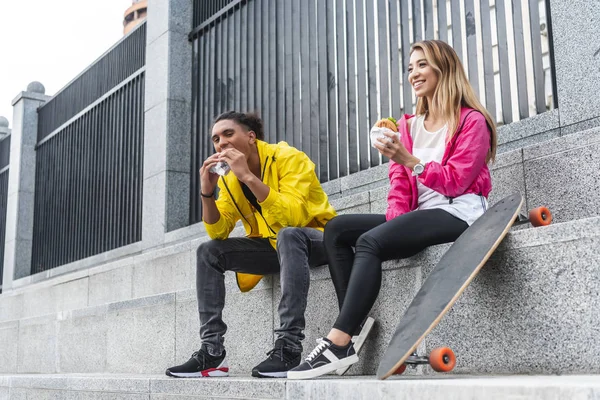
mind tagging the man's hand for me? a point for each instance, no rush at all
(208, 180)
(237, 162)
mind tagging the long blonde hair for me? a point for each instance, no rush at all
(453, 90)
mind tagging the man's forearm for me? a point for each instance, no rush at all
(210, 212)
(260, 190)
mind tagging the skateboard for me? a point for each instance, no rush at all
(450, 277)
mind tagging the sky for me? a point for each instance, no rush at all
(52, 41)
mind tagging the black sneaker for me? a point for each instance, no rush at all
(279, 362)
(325, 358)
(201, 365)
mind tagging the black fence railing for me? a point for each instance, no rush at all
(204, 10)
(4, 152)
(88, 184)
(320, 72)
(4, 170)
(124, 59)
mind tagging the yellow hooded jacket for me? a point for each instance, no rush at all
(296, 199)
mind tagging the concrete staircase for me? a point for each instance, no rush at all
(532, 309)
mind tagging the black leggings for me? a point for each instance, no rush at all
(356, 274)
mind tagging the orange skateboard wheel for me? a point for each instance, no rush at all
(400, 370)
(442, 359)
(540, 216)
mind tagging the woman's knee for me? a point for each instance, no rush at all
(334, 228)
(367, 243)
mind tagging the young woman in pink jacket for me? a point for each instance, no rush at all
(439, 184)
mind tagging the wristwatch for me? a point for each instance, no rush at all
(418, 169)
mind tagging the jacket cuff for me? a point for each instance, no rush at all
(216, 230)
(270, 200)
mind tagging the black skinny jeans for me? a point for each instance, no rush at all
(357, 274)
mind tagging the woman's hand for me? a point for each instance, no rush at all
(393, 149)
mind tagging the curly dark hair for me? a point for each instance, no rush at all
(251, 121)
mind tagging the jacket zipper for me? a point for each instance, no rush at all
(262, 179)
(454, 139)
(238, 208)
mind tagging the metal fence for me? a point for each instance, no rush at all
(320, 73)
(88, 182)
(112, 68)
(205, 10)
(4, 169)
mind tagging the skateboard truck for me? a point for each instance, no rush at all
(540, 216)
(441, 359)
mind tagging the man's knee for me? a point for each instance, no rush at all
(290, 234)
(208, 254)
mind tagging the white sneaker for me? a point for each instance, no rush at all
(359, 341)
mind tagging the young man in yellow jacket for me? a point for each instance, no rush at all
(274, 191)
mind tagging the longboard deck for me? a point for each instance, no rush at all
(450, 277)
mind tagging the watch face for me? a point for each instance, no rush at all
(419, 168)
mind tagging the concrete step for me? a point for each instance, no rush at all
(138, 387)
(532, 309)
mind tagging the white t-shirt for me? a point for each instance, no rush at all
(428, 147)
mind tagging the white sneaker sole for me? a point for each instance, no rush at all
(211, 373)
(325, 369)
(273, 374)
(360, 340)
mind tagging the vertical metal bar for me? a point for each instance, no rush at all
(342, 86)
(288, 63)
(471, 28)
(219, 75)
(406, 89)
(385, 57)
(119, 221)
(551, 54)
(76, 176)
(332, 83)
(231, 61)
(237, 37)
(257, 25)
(371, 111)
(428, 13)
(277, 96)
(323, 90)
(520, 59)
(352, 103)
(443, 20)
(417, 14)
(97, 182)
(296, 83)
(488, 61)
(195, 117)
(268, 54)
(536, 47)
(395, 55)
(313, 99)
(305, 79)
(251, 56)
(503, 62)
(130, 157)
(140, 152)
(456, 29)
(245, 49)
